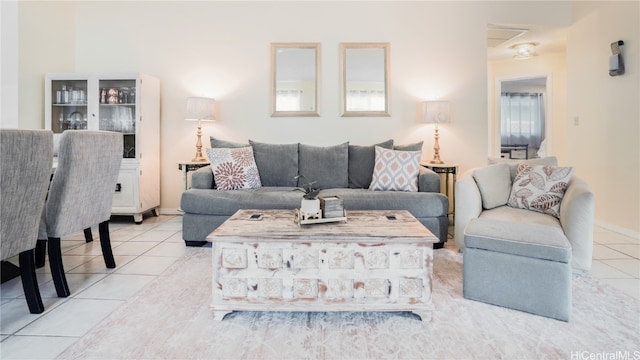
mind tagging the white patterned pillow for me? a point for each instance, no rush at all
(395, 170)
(234, 168)
(540, 188)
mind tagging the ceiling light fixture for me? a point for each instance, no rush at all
(524, 50)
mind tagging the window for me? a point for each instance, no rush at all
(522, 119)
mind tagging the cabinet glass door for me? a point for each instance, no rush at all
(117, 112)
(68, 105)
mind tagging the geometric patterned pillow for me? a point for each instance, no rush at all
(234, 168)
(540, 188)
(395, 170)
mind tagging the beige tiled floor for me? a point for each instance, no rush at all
(144, 251)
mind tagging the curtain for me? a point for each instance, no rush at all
(289, 100)
(522, 119)
(365, 100)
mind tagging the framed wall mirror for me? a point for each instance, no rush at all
(295, 69)
(364, 79)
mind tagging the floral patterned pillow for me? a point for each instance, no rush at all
(234, 168)
(540, 188)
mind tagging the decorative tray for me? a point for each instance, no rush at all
(301, 221)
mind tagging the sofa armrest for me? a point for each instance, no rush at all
(202, 178)
(468, 205)
(428, 180)
(577, 211)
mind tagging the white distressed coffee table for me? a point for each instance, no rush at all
(375, 261)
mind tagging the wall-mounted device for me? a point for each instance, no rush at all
(616, 65)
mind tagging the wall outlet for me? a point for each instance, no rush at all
(576, 121)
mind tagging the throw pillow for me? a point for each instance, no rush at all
(234, 168)
(540, 188)
(329, 165)
(494, 183)
(395, 170)
(409, 147)
(277, 163)
(361, 161)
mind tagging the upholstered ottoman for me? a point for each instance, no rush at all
(520, 266)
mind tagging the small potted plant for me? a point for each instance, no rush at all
(310, 204)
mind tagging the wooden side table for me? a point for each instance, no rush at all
(187, 166)
(447, 170)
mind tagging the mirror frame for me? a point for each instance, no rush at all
(302, 45)
(343, 78)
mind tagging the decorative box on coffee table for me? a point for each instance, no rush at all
(375, 261)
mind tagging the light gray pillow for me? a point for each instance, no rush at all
(277, 163)
(361, 161)
(494, 182)
(329, 166)
(513, 163)
(217, 143)
(409, 147)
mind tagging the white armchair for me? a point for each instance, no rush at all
(576, 214)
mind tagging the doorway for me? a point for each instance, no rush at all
(522, 117)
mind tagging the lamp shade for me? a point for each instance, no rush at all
(436, 112)
(200, 108)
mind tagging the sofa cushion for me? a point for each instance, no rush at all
(409, 147)
(226, 203)
(395, 170)
(328, 166)
(508, 213)
(513, 163)
(217, 143)
(361, 161)
(540, 188)
(419, 204)
(522, 239)
(234, 168)
(277, 163)
(494, 183)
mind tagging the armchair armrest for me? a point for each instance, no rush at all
(576, 217)
(468, 205)
(428, 180)
(203, 178)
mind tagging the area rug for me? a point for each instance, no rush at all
(170, 319)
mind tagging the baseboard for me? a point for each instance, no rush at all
(617, 229)
(164, 211)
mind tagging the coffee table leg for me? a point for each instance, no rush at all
(424, 315)
(218, 315)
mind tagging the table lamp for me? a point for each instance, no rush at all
(200, 109)
(436, 112)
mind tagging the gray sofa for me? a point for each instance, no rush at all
(344, 170)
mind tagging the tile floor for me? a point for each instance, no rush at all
(144, 251)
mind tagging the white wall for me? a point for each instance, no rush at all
(221, 50)
(605, 146)
(46, 36)
(9, 64)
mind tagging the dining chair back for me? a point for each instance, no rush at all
(25, 159)
(81, 193)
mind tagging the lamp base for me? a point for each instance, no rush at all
(199, 159)
(438, 161)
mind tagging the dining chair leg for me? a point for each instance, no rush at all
(30, 282)
(88, 237)
(105, 243)
(57, 269)
(41, 250)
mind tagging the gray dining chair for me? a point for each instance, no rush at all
(25, 160)
(80, 195)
